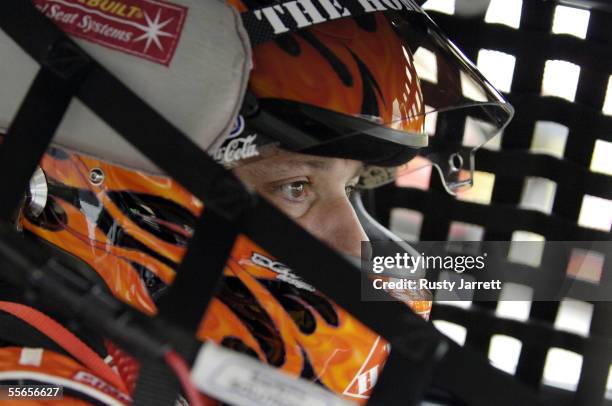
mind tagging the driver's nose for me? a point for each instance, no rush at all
(336, 223)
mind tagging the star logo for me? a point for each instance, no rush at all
(147, 29)
(153, 31)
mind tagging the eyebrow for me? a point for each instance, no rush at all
(286, 167)
(311, 163)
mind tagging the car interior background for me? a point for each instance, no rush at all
(548, 177)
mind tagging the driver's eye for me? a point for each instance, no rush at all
(294, 191)
(349, 189)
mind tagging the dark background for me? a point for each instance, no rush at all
(549, 178)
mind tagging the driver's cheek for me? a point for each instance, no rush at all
(334, 221)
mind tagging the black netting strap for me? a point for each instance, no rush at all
(196, 281)
(64, 66)
(572, 128)
(506, 39)
(566, 174)
(549, 108)
(38, 118)
(160, 141)
(396, 382)
(416, 340)
(157, 385)
(473, 379)
(531, 331)
(494, 217)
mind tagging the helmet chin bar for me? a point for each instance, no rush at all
(376, 231)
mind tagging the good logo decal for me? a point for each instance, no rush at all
(362, 384)
(149, 29)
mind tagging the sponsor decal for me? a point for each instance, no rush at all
(238, 127)
(284, 272)
(240, 380)
(31, 356)
(103, 386)
(282, 17)
(237, 149)
(363, 382)
(149, 29)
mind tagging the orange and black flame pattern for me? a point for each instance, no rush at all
(356, 66)
(133, 229)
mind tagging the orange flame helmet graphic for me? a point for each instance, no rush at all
(336, 84)
(354, 67)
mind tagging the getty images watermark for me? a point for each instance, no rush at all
(487, 271)
(412, 264)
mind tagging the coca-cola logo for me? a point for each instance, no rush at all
(237, 149)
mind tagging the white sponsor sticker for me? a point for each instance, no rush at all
(31, 356)
(243, 381)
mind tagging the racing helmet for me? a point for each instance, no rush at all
(351, 88)
(381, 88)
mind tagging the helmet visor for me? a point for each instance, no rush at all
(462, 110)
